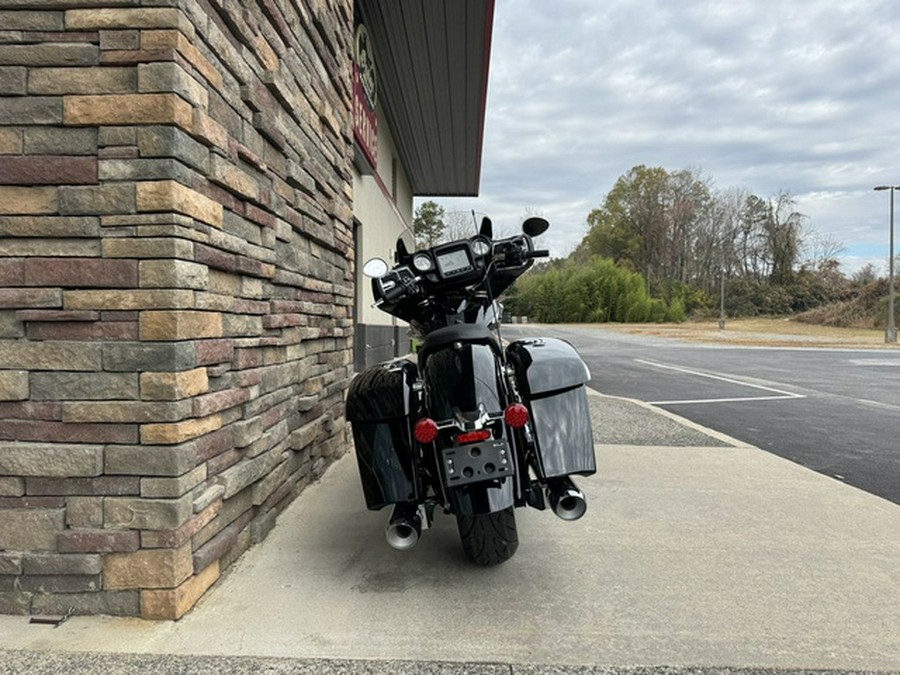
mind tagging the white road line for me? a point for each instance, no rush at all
(876, 404)
(779, 394)
(880, 363)
(726, 400)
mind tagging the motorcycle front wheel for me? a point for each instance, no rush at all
(489, 538)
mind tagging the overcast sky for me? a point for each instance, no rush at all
(800, 96)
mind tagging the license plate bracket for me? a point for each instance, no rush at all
(476, 462)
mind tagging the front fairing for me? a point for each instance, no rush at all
(429, 298)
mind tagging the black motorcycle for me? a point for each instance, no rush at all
(469, 426)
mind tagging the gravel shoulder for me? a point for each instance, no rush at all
(622, 421)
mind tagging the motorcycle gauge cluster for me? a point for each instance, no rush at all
(422, 262)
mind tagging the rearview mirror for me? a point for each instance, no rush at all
(375, 268)
(535, 226)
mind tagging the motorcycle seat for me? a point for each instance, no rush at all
(461, 332)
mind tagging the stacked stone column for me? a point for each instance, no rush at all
(176, 285)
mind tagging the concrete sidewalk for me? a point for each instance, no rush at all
(710, 555)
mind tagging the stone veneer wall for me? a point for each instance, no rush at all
(176, 285)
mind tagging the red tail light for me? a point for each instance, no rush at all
(473, 436)
(425, 430)
(516, 415)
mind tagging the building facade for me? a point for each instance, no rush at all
(431, 58)
(184, 203)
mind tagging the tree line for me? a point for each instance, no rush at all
(662, 244)
(685, 238)
(674, 227)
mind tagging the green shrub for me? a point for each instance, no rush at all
(595, 291)
(676, 312)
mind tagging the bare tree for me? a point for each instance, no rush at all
(784, 231)
(865, 275)
(716, 236)
(819, 248)
(459, 225)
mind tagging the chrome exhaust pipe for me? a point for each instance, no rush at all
(404, 528)
(566, 500)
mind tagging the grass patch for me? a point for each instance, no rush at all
(756, 331)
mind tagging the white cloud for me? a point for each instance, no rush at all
(767, 96)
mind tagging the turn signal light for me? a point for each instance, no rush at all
(473, 436)
(425, 430)
(516, 415)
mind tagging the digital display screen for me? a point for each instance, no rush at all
(454, 261)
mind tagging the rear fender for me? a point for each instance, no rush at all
(463, 380)
(471, 500)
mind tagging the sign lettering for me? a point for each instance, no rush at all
(365, 119)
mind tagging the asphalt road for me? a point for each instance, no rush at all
(836, 412)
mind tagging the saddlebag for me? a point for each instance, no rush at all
(379, 407)
(551, 378)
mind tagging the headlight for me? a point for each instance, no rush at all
(422, 262)
(481, 247)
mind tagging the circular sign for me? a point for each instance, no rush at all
(365, 61)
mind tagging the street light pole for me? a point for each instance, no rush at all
(722, 296)
(731, 234)
(890, 335)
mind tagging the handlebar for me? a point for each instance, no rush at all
(403, 283)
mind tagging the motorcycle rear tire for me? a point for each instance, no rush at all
(489, 538)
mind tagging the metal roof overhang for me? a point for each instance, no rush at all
(432, 60)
